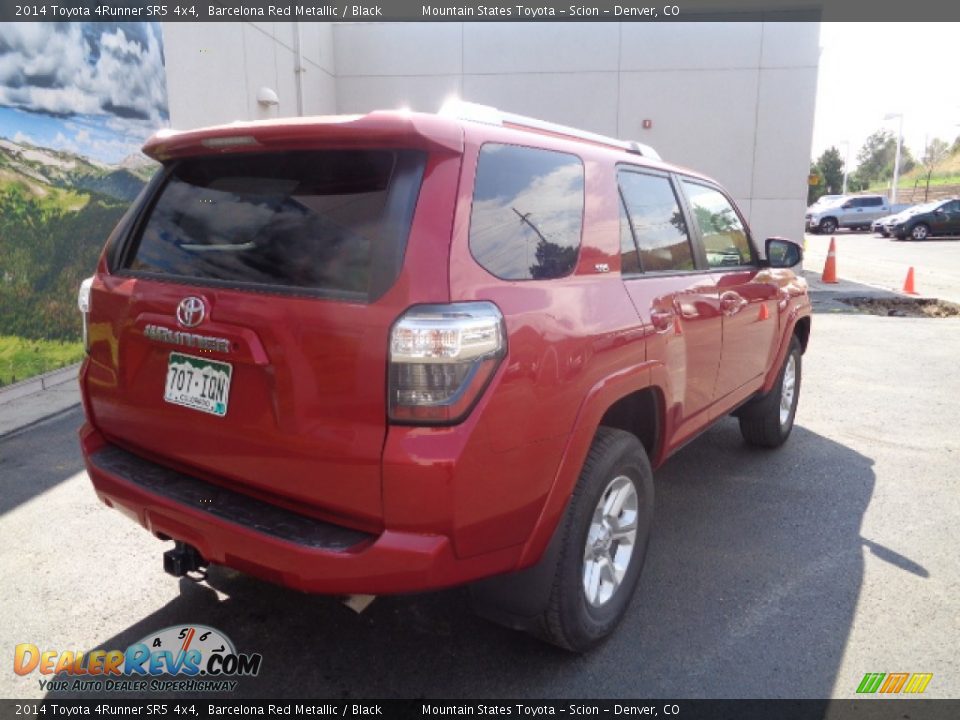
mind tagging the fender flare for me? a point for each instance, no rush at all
(598, 399)
(796, 313)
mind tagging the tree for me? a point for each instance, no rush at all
(830, 166)
(874, 155)
(876, 158)
(937, 151)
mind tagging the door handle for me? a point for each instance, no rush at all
(731, 302)
(662, 320)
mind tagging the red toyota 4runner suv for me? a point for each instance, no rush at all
(398, 351)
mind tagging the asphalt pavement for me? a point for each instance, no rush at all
(787, 573)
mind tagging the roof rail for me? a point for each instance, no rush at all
(489, 115)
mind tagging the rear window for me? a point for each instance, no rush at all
(527, 212)
(333, 221)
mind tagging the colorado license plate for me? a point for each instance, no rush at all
(198, 383)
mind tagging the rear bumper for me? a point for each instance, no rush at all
(273, 543)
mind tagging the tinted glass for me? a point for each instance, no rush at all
(724, 237)
(874, 202)
(330, 220)
(527, 212)
(658, 223)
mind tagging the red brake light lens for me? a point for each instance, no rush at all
(441, 359)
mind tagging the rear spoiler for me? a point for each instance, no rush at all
(400, 129)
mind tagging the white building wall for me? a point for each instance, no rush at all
(214, 70)
(732, 100)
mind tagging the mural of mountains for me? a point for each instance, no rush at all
(56, 210)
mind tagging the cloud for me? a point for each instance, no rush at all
(69, 69)
(23, 139)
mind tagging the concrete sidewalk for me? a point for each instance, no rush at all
(33, 400)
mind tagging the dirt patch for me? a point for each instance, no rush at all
(904, 307)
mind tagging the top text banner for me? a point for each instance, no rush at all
(430, 10)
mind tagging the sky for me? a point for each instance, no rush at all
(97, 89)
(869, 70)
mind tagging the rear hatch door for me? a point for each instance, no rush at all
(243, 331)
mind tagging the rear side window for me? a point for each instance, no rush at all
(527, 212)
(329, 221)
(724, 237)
(657, 222)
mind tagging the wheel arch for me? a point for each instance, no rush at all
(802, 330)
(639, 413)
(797, 325)
(624, 399)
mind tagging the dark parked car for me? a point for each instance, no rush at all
(941, 219)
(399, 352)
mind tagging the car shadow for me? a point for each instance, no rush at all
(30, 465)
(750, 589)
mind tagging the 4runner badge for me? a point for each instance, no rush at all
(176, 337)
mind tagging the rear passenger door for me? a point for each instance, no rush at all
(873, 208)
(673, 294)
(747, 293)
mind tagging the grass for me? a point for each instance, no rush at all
(21, 358)
(946, 173)
(907, 182)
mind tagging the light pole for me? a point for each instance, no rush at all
(896, 160)
(846, 164)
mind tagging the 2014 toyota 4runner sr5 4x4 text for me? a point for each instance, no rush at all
(402, 351)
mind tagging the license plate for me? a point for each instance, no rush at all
(198, 383)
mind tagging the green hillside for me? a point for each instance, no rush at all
(945, 173)
(51, 234)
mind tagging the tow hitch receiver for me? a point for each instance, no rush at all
(183, 560)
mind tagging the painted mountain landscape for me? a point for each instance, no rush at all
(76, 102)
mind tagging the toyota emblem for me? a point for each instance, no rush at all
(190, 311)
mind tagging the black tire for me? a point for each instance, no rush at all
(760, 421)
(920, 231)
(570, 621)
(549, 600)
(827, 226)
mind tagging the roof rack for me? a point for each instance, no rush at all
(489, 115)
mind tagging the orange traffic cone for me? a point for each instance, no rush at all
(908, 287)
(830, 267)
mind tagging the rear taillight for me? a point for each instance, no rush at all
(441, 359)
(83, 302)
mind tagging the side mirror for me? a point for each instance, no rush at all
(847, 205)
(938, 211)
(783, 253)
